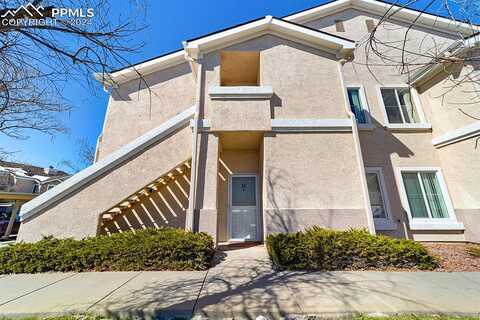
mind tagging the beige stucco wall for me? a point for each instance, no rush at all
(164, 207)
(452, 101)
(132, 112)
(391, 149)
(461, 168)
(78, 215)
(240, 115)
(305, 81)
(305, 184)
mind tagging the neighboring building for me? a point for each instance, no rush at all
(19, 183)
(252, 130)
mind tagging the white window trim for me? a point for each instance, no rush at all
(365, 107)
(449, 223)
(383, 224)
(421, 126)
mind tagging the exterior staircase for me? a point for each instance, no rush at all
(161, 203)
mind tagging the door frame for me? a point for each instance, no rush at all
(257, 208)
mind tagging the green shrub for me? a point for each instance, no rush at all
(474, 251)
(150, 249)
(324, 249)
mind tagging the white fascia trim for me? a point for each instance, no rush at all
(457, 135)
(406, 15)
(268, 24)
(440, 225)
(408, 127)
(104, 165)
(141, 69)
(302, 125)
(240, 92)
(431, 70)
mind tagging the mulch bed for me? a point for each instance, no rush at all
(453, 257)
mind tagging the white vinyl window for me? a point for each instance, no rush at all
(399, 105)
(424, 194)
(379, 199)
(425, 197)
(358, 104)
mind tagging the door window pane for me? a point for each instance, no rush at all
(356, 104)
(376, 197)
(434, 195)
(243, 191)
(414, 195)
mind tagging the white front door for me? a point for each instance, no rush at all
(243, 208)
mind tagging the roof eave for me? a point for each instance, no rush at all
(269, 24)
(379, 7)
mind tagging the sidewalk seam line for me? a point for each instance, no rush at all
(38, 289)
(293, 295)
(200, 292)
(113, 290)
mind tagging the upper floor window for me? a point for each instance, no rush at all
(339, 26)
(399, 105)
(239, 68)
(357, 104)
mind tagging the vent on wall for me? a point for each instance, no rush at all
(339, 26)
(370, 25)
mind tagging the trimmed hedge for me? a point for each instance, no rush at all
(474, 251)
(149, 249)
(324, 249)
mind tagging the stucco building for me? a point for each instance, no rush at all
(278, 125)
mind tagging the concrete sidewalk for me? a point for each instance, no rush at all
(243, 285)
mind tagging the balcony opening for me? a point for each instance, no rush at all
(239, 68)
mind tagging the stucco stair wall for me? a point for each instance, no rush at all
(163, 206)
(78, 214)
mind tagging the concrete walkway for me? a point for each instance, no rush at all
(242, 285)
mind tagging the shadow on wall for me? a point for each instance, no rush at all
(276, 219)
(280, 217)
(165, 207)
(378, 147)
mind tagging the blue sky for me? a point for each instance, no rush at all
(168, 23)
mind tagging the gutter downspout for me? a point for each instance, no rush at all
(190, 214)
(358, 149)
